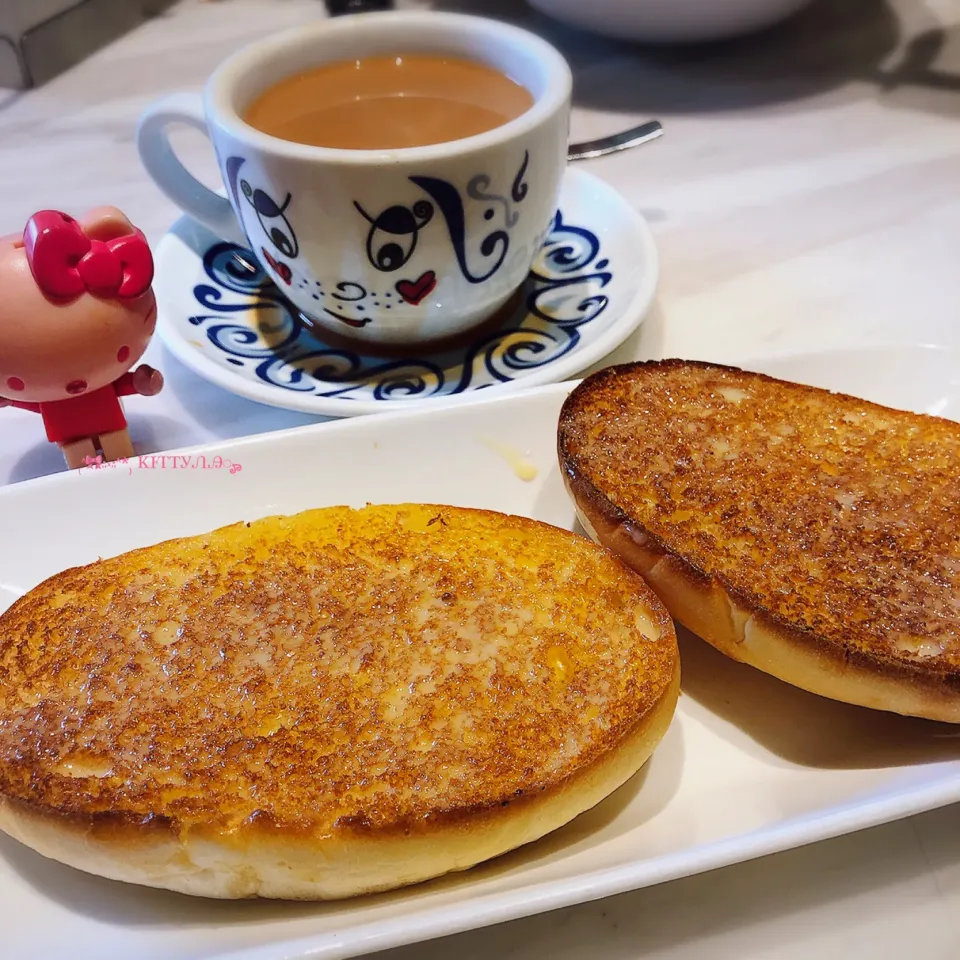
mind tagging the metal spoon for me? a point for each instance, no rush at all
(616, 142)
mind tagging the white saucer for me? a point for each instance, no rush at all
(590, 288)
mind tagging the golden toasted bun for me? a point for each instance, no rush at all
(329, 704)
(809, 534)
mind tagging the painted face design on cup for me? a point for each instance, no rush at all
(272, 218)
(393, 234)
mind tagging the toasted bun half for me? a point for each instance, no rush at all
(330, 704)
(811, 535)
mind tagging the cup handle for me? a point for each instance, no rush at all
(172, 177)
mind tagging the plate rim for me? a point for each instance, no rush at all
(436, 922)
(631, 317)
(480, 398)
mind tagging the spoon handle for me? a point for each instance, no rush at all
(613, 144)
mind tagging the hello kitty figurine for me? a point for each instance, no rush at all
(76, 313)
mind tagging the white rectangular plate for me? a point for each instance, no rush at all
(749, 767)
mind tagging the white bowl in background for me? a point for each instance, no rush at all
(670, 21)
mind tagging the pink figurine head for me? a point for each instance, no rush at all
(76, 307)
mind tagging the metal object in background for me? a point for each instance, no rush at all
(338, 8)
(616, 142)
(41, 38)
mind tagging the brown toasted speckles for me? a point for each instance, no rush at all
(336, 670)
(823, 511)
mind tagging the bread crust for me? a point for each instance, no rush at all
(730, 618)
(281, 864)
(298, 838)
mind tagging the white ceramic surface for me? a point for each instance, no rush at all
(422, 242)
(671, 21)
(750, 766)
(590, 287)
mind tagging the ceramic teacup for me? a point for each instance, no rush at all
(389, 247)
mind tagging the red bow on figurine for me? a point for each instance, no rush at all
(65, 262)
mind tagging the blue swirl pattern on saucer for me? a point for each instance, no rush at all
(250, 324)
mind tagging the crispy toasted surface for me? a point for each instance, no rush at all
(361, 671)
(818, 513)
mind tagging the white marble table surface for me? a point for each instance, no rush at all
(806, 196)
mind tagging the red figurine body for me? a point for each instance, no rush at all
(76, 312)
